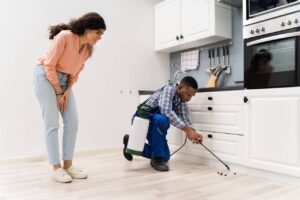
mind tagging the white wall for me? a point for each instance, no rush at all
(123, 61)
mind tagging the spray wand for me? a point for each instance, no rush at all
(215, 156)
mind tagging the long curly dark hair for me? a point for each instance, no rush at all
(78, 26)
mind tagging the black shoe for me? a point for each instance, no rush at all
(128, 156)
(159, 164)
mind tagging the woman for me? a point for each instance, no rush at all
(55, 75)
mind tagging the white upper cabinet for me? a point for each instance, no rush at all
(182, 24)
(167, 18)
(194, 17)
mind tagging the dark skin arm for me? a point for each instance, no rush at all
(192, 135)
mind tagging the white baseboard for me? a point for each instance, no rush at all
(78, 153)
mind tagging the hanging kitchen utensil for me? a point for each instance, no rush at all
(209, 56)
(228, 67)
(224, 57)
(214, 59)
(218, 57)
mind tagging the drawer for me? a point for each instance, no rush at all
(218, 118)
(227, 147)
(224, 97)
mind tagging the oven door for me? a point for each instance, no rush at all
(272, 60)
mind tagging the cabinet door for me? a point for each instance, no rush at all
(227, 147)
(273, 131)
(196, 18)
(167, 23)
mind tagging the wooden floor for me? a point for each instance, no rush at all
(112, 177)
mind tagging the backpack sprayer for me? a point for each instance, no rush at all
(140, 128)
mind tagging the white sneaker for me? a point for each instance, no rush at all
(76, 173)
(60, 175)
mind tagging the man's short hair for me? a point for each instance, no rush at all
(189, 81)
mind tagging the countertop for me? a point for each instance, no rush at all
(226, 88)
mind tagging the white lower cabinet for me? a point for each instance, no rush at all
(259, 128)
(273, 132)
(219, 116)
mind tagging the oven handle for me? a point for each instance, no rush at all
(271, 38)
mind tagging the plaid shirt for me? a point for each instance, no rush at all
(165, 99)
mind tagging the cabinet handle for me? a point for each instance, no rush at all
(210, 136)
(177, 38)
(181, 36)
(245, 99)
(210, 98)
(209, 108)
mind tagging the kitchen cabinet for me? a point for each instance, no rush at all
(182, 24)
(272, 130)
(219, 116)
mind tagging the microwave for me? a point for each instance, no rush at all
(272, 53)
(260, 10)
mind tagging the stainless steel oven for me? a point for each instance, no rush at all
(271, 56)
(260, 10)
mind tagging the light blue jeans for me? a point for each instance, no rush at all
(50, 112)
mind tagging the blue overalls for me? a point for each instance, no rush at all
(157, 145)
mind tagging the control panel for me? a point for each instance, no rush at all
(272, 25)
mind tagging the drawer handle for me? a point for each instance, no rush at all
(245, 99)
(209, 108)
(210, 136)
(210, 98)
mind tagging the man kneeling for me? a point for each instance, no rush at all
(169, 105)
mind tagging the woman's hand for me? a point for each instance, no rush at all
(62, 101)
